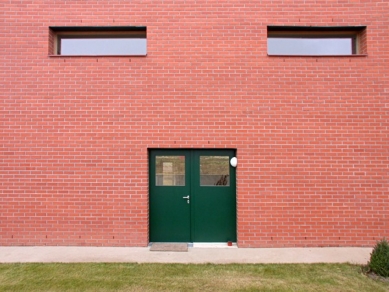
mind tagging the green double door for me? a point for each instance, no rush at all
(192, 196)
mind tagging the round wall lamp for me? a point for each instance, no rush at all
(234, 162)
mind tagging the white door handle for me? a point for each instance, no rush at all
(187, 197)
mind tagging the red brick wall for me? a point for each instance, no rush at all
(311, 133)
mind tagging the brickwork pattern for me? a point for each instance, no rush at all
(311, 133)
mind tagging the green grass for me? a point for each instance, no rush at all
(180, 277)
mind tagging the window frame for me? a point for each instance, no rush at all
(57, 34)
(300, 32)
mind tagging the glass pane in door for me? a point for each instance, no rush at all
(214, 171)
(170, 170)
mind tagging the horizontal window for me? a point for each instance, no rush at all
(316, 41)
(99, 41)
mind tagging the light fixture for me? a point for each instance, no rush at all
(234, 162)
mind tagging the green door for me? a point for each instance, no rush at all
(192, 196)
(214, 196)
(169, 184)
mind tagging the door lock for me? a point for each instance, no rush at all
(187, 199)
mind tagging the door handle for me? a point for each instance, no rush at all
(187, 199)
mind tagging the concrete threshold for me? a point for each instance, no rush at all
(212, 245)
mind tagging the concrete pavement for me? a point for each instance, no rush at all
(217, 255)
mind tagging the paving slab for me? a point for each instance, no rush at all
(77, 254)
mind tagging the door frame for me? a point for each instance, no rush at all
(192, 151)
